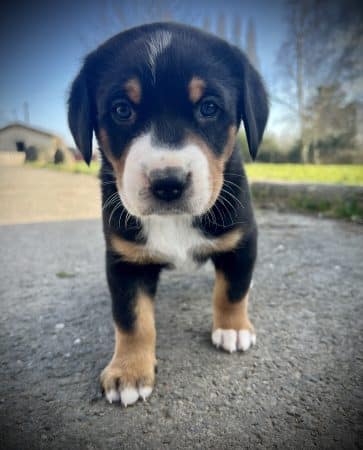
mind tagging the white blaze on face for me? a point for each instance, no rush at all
(158, 42)
(143, 157)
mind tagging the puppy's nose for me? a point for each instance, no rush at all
(168, 184)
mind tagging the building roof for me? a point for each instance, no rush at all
(28, 127)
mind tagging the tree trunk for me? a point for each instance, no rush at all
(305, 152)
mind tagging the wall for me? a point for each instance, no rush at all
(10, 136)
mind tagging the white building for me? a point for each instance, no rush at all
(16, 137)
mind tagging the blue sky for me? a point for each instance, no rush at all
(43, 44)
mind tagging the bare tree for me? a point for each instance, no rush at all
(117, 15)
(221, 25)
(206, 23)
(237, 30)
(333, 119)
(251, 44)
(293, 59)
(322, 45)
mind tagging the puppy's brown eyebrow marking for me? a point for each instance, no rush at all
(133, 90)
(196, 89)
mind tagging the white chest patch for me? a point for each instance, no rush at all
(174, 238)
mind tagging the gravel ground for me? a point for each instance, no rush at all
(300, 387)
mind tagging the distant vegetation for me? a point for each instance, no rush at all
(330, 150)
(335, 174)
(310, 173)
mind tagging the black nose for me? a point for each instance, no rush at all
(168, 184)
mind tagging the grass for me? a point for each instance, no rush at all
(310, 173)
(77, 167)
(63, 274)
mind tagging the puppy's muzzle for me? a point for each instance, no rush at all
(169, 184)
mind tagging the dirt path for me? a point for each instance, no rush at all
(40, 195)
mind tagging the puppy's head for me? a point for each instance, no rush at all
(165, 102)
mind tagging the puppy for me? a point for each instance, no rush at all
(165, 102)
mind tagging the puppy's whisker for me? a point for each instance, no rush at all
(120, 217)
(235, 174)
(114, 209)
(233, 196)
(128, 215)
(231, 205)
(110, 200)
(220, 214)
(221, 200)
(233, 184)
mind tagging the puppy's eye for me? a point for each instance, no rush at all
(208, 108)
(122, 111)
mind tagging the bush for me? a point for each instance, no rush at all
(32, 154)
(294, 154)
(269, 150)
(59, 156)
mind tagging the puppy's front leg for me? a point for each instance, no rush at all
(131, 371)
(232, 329)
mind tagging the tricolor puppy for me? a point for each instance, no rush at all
(165, 102)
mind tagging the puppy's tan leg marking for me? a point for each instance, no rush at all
(130, 373)
(232, 329)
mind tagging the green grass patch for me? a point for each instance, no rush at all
(76, 167)
(309, 173)
(65, 275)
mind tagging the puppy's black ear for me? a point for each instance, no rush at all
(253, 103)
(80, 116)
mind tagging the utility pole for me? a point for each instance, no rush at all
(26, 112)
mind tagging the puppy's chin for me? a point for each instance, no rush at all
(192, 207)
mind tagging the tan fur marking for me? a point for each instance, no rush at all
(228, 148)
(118, 165)
(225, 243)
(139, 254)
(216, 165)
(133, 361)
(228, 241)
(132, 252)
(133, 90)
(196, 89)
(227, 315)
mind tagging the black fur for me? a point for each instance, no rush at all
(232, 83)
(124, 280)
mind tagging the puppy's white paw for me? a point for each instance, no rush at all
(128, 395)
(127, 387)
(232, 340)
(112, 396)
